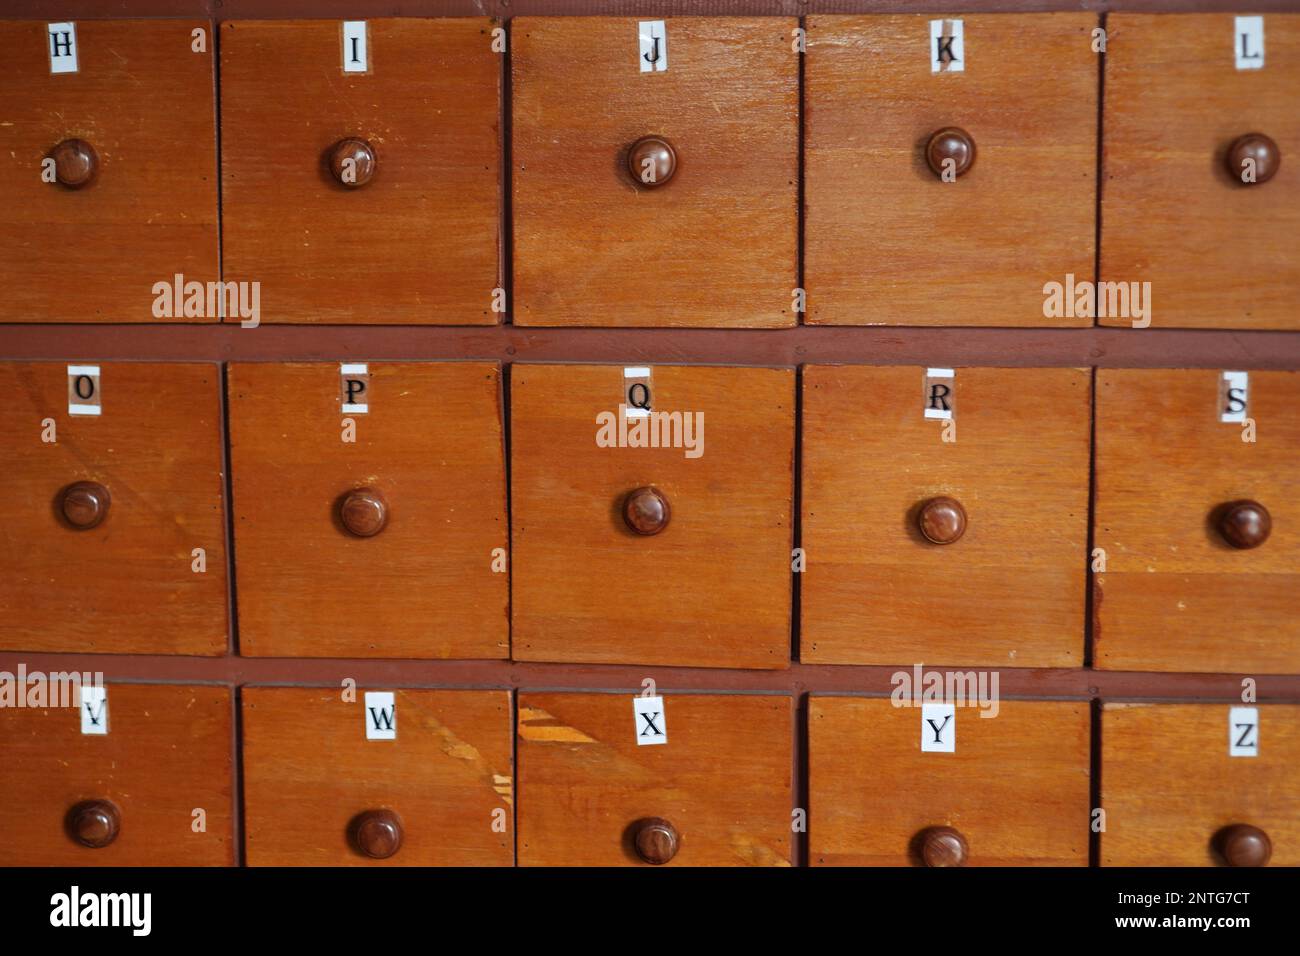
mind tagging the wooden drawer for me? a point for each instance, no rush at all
(890, 242)
(1009, 590)
(1014, 787)
(389, 545)
(318, 792)
(415, 243)
(112, 534)
(712, 588)
(1171, 790)
(712, 244)
(718, 791)
(155, 790)
(1218, 253)
(1175, 596)
(142, 98)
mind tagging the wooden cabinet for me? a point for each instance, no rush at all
(370, 515)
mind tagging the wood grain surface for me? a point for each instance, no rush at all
(1016, 785)
(144, 100)
(168, 752)
(1174, 595)
(1010, 592)
(716, 245)
(1168, 785)
(432, 445)
(309, 769)
(887, 242)
(722, 779)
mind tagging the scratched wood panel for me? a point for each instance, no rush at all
(1217, 254)
(129, 585)
(1168, 785)
(309, 770)
(419, 242)
(1174, 595)
(432, 445)
(1016, 786)
(886, 241)
(1010, 592)
(143, 99)
(711, 590)
(168, 752)
(722, 779)
(716, 245)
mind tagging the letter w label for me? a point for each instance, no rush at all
(651, 727)
(381, 715)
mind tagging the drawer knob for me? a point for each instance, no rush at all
(656, 840)
(1244, 845)
(952, 144)
(94, 823)
(377, 834)
(942, 520)
(75, 163)
(1245, 524)
(364, 512)
(85, 504)
(651, 161)
(1257, 147)
(646, 510)
(352, 161)
(943, 846)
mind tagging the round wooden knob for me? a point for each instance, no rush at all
(377, 834)
(352, 161)
(1243, 845)
(942, 520)
(75, 163)
(943, 846)
(94, 823)
(1258, 147)
(364, 512)
(952, 144)
(652, 161)
(646, 510)
(1245, 524)
(656, 840)
(85, 504)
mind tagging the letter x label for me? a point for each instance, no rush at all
(651, 727)
(938, 728)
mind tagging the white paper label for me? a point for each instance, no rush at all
(94, 710)
(354, 388)
(1243, 731)
(636, 391)
(947, 47)
(938, 728)
(652, 37)
(1248, 41)
(62, 38)
(1234, 395)
(381, 715)
(650, 725)
(940, 392)
(354, 46)
(83, 390)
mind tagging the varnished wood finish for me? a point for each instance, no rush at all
(1016, 787)
(1175, 595)
(418, 244)
(886, 241)
(587, 789)
(717, 245)
(713, 588)
(432, 446)
(1010, 592)
(147, 208)
(136, 790)
(310, 775)
(1170, 789)
(75, 163)
(1217, 254)
(124, 582)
